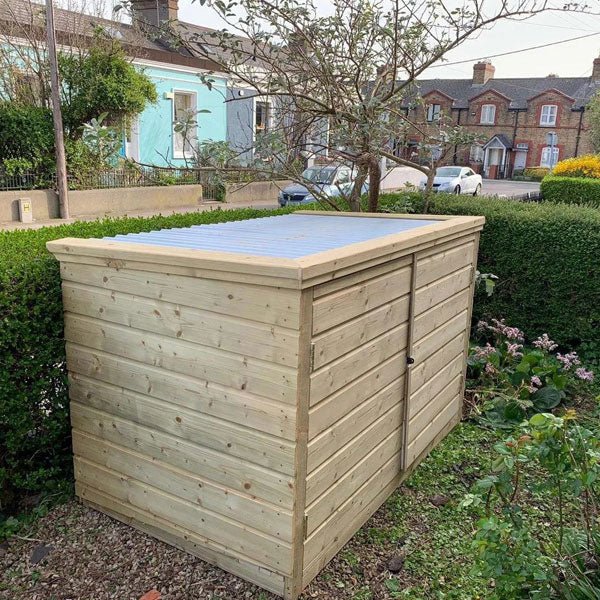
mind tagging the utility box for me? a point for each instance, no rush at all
(253, 391)
(25, 210)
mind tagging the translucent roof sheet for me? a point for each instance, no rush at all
(283, 236)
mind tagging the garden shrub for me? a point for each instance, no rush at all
(546, 258)
(579, 166)
(571, 190)
(536, 173)
(35, 446)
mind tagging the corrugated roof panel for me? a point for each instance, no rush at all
(283, 236)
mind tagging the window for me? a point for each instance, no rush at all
(433, 112)
(488, 114)
(548, 115)
(185, 126)
(261, 118)
(549, 156)
(476, 153)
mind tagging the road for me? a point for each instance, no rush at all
(498, 187)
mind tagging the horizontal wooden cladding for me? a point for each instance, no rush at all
(262, 378)
(427, 345)
(276, 306)
(267, 342)
(427, 369)
(335, 375)
(351, 513)
(449, 412)
(232, 472)
(333, 469)
(181, 537)
(444, 261)
(327, 413)
(269, 519)
(274, 554)
(442, 289)
(325, 505)
(436, 316)
(344, 338)
(350, 302)
(338, 435)
(422, 419)
(223, 436)
(429, 390)
(197, 395)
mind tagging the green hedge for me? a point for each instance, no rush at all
(571, 190)
(35, 446)
(547, 257)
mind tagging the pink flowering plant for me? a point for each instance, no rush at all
(515, 380)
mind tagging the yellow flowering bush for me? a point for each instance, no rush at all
(581, 166)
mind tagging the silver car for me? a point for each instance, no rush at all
(455, 180)
(330, 181)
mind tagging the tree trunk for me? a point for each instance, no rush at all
(361, 177)
(374, 184)
(428, 190)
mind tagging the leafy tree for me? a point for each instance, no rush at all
(593, 119)
(102, 80)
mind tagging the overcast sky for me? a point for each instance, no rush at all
(572, 59)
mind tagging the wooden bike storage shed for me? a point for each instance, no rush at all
(253, 391)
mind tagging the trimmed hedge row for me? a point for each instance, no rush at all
(547, 258)
(571, 190)
(35, 446)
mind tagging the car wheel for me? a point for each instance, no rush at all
(477, 190)
(457, 190)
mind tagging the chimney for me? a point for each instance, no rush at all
(596, 70)
(154, 12)
(483, 71)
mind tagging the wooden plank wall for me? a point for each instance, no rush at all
(444, 289)
(356, 393)
(183, 402)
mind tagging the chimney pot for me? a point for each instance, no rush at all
(483, 71)
(596, 70)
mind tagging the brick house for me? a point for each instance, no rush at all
(512, 117)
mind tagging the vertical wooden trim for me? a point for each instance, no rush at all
(293, 586)
(409, 365)
(470, 312)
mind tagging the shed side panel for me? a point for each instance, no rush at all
(183, 400)
(444, 289)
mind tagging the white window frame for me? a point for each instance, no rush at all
(548, 117)
(183, 153)
(476, 153)
(546, 160)
(433, 115)
(261, 100)
(488, 114)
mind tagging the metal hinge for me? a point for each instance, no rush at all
(312, 357)
(305, 526)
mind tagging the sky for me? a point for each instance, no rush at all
(572, 59)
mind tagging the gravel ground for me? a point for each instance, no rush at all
(76, 553)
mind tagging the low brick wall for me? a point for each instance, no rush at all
(100, 203)
(257, 191)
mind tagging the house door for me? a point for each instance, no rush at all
(520, 160)
(132, 140)
(493, 162)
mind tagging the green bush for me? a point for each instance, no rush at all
(571, 190)
(35, 447)
(536, 173)
(546, 258)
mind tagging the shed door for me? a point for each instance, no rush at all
(440, 310)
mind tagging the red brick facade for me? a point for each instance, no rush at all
(517, 120)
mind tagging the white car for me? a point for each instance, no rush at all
(455, 180)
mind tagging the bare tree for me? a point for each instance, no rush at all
(352, 66)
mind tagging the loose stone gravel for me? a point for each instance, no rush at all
(76, 553)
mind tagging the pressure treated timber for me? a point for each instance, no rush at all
(255, 406)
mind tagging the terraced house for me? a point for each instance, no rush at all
(511, 116)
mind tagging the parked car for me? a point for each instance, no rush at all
(330, 180)
(455, 180)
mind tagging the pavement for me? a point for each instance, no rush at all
(397, 179)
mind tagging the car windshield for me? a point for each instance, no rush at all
(319, 174)
(448, 172)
